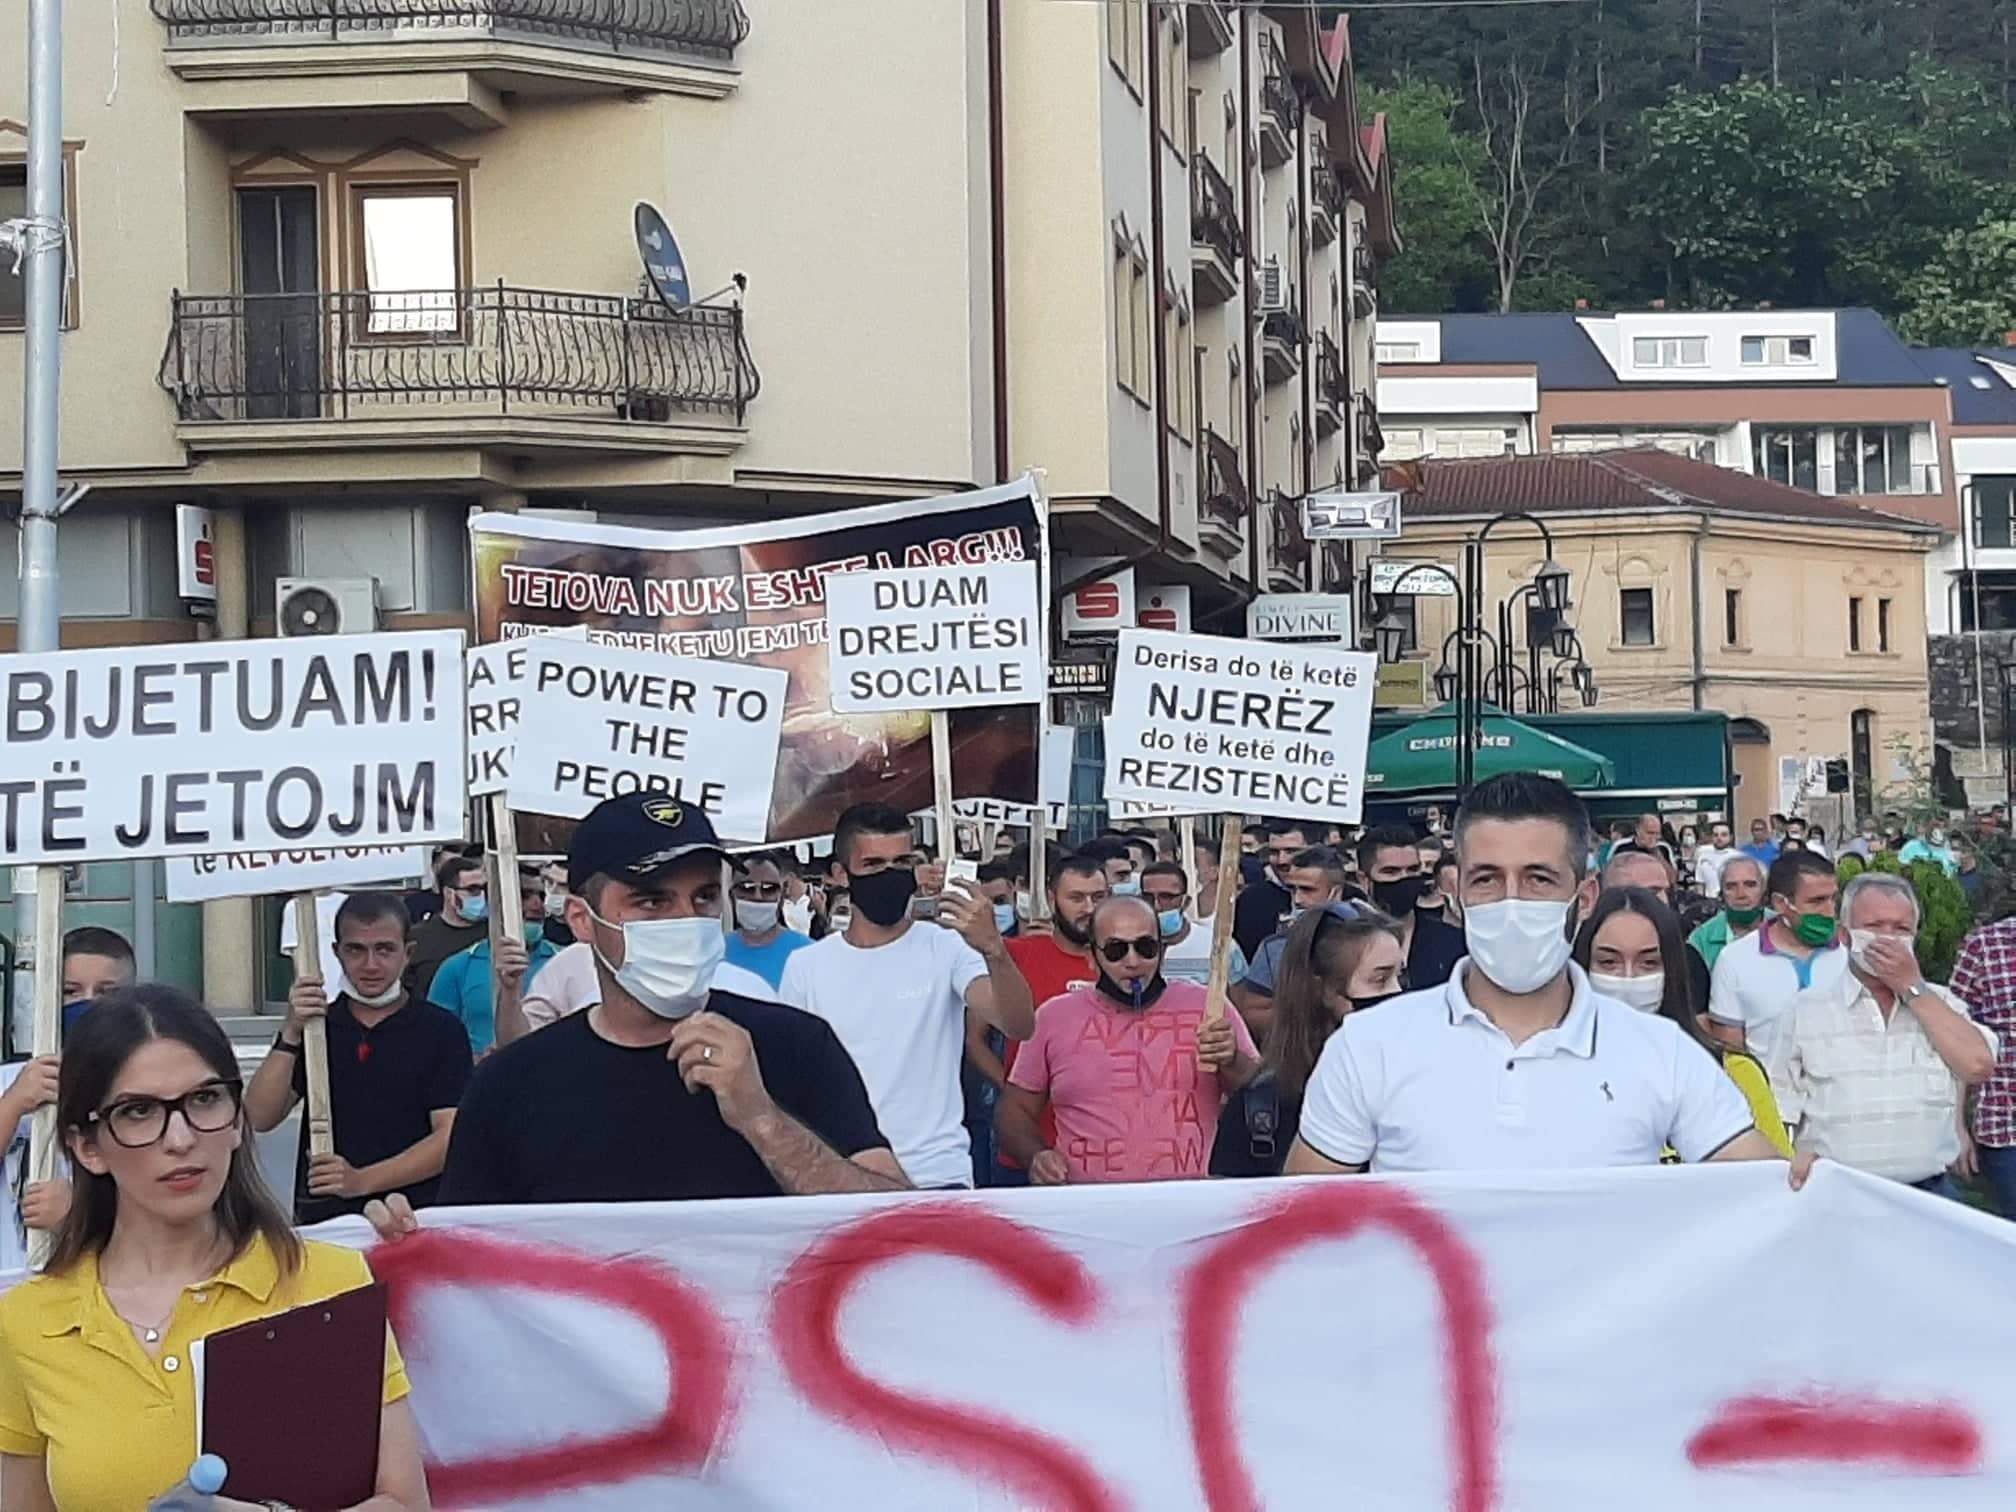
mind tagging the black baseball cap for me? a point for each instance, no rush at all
(635, 837)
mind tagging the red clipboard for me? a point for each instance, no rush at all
(291, 1403)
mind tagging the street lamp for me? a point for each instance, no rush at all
(1390, 634)
(1447, 684)
(1551, 584)
(1566, 643)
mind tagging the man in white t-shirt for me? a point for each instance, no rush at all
(1515, 1063)
(1709, 859)
(896, 990)
(25, 1086)
(1186, 942)
(1795, 950)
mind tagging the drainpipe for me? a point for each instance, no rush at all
(1158, 251)
(997, 190)
(1303, 214)
(1694, 579)
(1251, 229)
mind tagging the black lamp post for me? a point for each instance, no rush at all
(2007, 672)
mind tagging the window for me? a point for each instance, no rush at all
(1787, 454)
(13, 287)
(1126, 39)
(1635, 616)
(1854, 624)
(1777, 351)
(1586, 440)
(1992, 506)
(1995, 593)
(1457, 442)
(1235, 403)
(1140, 323)
(1123, 318)
(1883, 624)
(1402, 446)
(410, 251)
(1872, 459)
(1398, 351)
(1670, 351)
(1732, 616)
(1179, 366)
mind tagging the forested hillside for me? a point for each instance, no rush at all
(1704, 152)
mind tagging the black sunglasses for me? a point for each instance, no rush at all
(1116, 950)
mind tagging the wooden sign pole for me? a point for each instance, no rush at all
(48, 1035)
(321, 1132)
(507, 917)
(1039, 883)
(941, 781)
(1221, 917)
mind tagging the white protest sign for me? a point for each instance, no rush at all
(258, 874)
(496, 694)
(1196, 1353)
(142, 751)
(334, 982)
(907, 638)
(1203, 722)
(1053, 778)
(599, 721)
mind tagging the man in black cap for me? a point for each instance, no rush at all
(669, 1087)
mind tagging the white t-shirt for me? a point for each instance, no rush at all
(567, 984)
(900, 1009)
(1189, 959)
(1755, 986)
(13, 1234)
(1428, 1083)
(1708, 864)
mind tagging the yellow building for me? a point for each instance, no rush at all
(1695, 587)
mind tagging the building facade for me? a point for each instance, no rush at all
(343, 280)
(1697, 587)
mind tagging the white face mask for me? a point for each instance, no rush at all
(668, 964)
(556, 902)
(1644, 992)
(1859, 941)
(1521, 944)
(388, 996)
(753, 917)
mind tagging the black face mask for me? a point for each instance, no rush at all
(883, 897)
(1398, 897)
(1359, 1005)
(1150, 990)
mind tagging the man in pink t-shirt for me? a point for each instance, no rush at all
(1128, 1067)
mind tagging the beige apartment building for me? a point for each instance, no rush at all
(345, 272)
(1694, 586)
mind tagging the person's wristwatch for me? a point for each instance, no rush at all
(280, 1043)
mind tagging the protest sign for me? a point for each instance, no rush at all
(1221, 1346)
(756, 594)
(600, 721)
(144, 751)
(963, 637)
(1206, 722)
(256, 874)
(496, 677)
(1053, 787)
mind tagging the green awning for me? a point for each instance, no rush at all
(1421, 757)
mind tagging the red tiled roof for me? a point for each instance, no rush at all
(1634, 479)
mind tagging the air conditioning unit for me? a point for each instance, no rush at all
(326, 606)
(1273, 287)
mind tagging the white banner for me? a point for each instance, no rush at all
(601, 720)
(1663, 1339)
(496, 675)
(1203, 722)
(259, 874)
(1387, 573)
(908, 638)
(141, 751)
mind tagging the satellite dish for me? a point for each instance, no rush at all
(662, 263)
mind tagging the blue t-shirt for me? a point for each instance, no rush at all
(1766, 852)
(766, 961)
(463, 986)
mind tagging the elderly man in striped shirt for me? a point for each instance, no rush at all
(1872, 1070)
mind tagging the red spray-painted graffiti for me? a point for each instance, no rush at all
(1932, 1438)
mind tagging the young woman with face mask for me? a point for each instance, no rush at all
(1337, 961)
(172, 1237)
(1625, 945)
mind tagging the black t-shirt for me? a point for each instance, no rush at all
(385, 1085)
(1434, 952)
(432, 941)
(566, 1116)
(1258, 915)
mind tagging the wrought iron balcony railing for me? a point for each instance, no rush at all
(1214, 210)
(1289, 545)
(701, 28)
(1364, 282)
(1284, 326)
(1222, 487)
(1331, 384)
(494, 349)
(1277, 94)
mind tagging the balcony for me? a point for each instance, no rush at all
(1223, 502)
(534, 369)
(1281, 338)
(1280, 110)
(1210, 27)
(1364, 283)
(1217, 243)
(1333, 394)
(549, 46)
(1371, 435)
(1326, 208)
(1287, 547)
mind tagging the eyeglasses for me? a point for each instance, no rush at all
(1116, 950)
(137, 1122)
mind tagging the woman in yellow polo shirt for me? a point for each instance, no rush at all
(171, 1237)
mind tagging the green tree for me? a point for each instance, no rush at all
(1966, 296)
(1434, 192)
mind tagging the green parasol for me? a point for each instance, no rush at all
(1421, 757)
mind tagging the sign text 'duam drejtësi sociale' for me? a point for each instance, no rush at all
(934, 638)
(231, 746)
(1205, 721)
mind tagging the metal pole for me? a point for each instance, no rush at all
(36, 625)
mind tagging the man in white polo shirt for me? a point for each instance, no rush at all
(1759, 977)
(1514, 1063)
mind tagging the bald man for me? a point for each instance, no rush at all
(1134, 1075)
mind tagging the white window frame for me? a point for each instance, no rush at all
(1669, 351)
